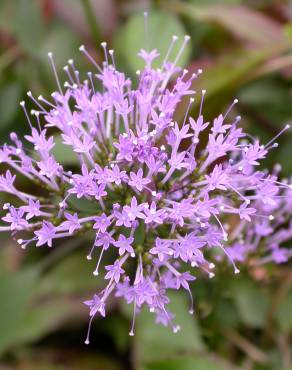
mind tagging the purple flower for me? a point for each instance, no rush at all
(95, 305)
(137, 180)
(32, 209)
(148, 57)
(41, 143)
(162, 249)
(114, 271)
(49, 167)
(245, 212)
(116, 175)
(182, 280)
(135, 210)
(104, 240)
(16, 219)
(45, 234)
(99, 191)
(154, 215)
(125, 245)
(72, 223)
(145, 183)
(102, 223)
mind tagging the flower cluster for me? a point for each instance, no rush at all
(170, 197)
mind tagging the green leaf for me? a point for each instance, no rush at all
(242, 21)
(15, 292)
(226, 314)
(196, 362)
(41, 320)
(284, 152)
(62, 42)
(60, 358)
(28, 26)
(71, 275)
(84, 205)
(131, 38)
(64, 153)
(252, 302)
(212, 2)
(7, 12)
(9, 99)
(155, 342)
(284, 314)
(223, 78)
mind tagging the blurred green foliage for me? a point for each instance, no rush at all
(242, 322)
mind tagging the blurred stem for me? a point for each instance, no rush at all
(270, 328)
(284, 348)
(9, 57)
(89, 14)
(278, 297)
(275, 65)
(61, 251)
(247, 347)
(260, 118)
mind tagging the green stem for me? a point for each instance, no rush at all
(9, 57)
(59, 253)
(89, 14)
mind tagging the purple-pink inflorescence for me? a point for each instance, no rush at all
(170, 197)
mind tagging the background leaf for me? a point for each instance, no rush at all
(9, 98)
(243, 22)
(157, 342)
(196, 362)
(251, 301)
(160, 23)
(28, 26)
(15, 291)
(283, 314)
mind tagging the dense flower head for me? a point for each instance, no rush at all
(171, 197)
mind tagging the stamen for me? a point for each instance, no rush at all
(186, 40)
(85, 52)
(174, 40)
(22, 104)
(235, 101)
(191, 310)
(279, 134)
(176, 329)
(131, 333)
(188, 109)
(29, 94)
(41, 98)
(50, 55)
(88, 331)
(202, 102)
(104, 44)
(89, 74)
(111, 53)
(166, 79)
(146, 32)
(95, 272)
